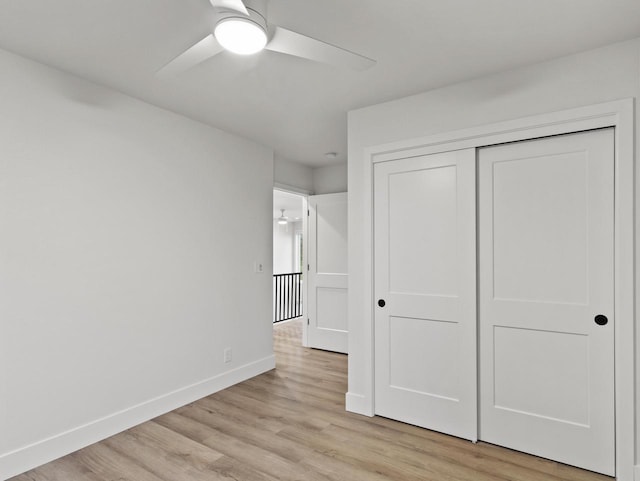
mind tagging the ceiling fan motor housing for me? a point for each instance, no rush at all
(257, 14)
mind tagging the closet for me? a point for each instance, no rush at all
(494, 295)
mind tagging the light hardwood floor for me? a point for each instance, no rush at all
(290, 424)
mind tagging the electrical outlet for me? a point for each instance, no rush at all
(227, 355)
(258, 267)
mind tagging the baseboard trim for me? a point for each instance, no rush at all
(359, 404)
(37, 454)
(636, 473)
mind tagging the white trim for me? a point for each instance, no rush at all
(625, 265)
(291, 188)
(305, 262)
(287, 321)
(618, 114)
(29, 457)
(357, 403)
(555, 123)
(334, 196)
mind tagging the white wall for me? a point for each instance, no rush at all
(591, 77)
(297, 177)
(292, 176)
(122, 275)
(330, 179)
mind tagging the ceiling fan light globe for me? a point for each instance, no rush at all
(240, 36)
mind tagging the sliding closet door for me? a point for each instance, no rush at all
(425, 271)
(546, 297)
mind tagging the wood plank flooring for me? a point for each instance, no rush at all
(290, 424)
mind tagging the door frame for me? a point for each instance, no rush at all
(304, 194)
(618, 114)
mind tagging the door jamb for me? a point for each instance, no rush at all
(305, 235)
(618, 114)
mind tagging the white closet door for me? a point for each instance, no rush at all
(425, 273)
(327, 274)
(546, 275)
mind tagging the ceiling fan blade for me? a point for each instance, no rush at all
(235, 5)
(201, 51)
(292, 43)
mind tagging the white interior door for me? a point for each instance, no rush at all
(425, 273)
(327, 275)
(546, 271)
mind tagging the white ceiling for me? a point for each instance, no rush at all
(296, 106)
(291, 203)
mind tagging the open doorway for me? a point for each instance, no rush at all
(288, 255)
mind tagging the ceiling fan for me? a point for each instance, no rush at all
(283, 219)
(241, 27)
